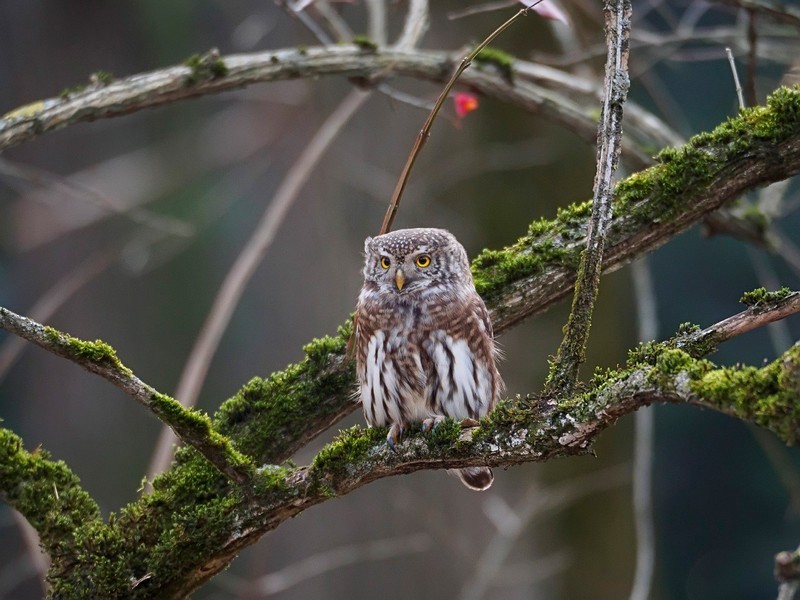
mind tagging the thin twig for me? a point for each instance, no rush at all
(232, 288)
(571, 354)
(732, 64)
(480, 8)
(779, 11)
(336, 558)
(103, 202)
(752, 57)
(99, 358)
(376, 17)
(52, 299)
(534, 503)
(424, 133)
(644, 432)
(307, 20)
(416, 25)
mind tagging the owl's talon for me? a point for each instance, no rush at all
(395, 433)
(432, 423)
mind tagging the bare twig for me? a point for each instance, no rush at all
(571, 354)
(780, 11)
(647, 319)
(340, 28)
(752, 318)
(752, 57)
(307, 20)
(376, 16)
(103, 202)
(424, 133)
(480, 8)
(99, 358)
(732, 64)
(52, 299)
(331, 560)
(534, 503)
(232, 288)
(417, 22)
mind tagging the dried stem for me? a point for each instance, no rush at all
(644, 433)
(424, 133)
(571, 354)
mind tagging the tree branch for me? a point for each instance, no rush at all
(213, 74)
(46, 492)
(99, 358)
(571, 354)
(270, 419)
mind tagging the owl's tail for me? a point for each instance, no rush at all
(475, 478)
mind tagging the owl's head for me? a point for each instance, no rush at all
(409, 260)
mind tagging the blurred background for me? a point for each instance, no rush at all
(124, 229)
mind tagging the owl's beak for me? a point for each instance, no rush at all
(399, 278)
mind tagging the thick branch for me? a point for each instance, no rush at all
(213, 74)
(99, 358)
(525, 430)
(269, 420)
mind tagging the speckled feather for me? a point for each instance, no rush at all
(424, 349)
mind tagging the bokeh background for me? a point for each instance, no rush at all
(190, 180)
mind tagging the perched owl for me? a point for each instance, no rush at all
(425, 348)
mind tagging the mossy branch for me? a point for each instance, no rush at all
(563, 375)
(530, 429)
(46, 492)
(532, 88)
(192, 427)
(270, 419)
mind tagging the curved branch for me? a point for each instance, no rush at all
(99, 358)
(213, 74)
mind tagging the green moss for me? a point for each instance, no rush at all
(699, 162)
(98, 351)
(493, 270)
(766, 396)
(756, 218)
(760, 297)
(69, 91)
(45, 491)
(365, 43)
(268, 418)
(688, 328)
(501, 60)
(101, 78)
(445, 435)
(350, 447)
(197, 428)
(205, 67)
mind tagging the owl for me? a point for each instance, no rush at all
(425, 348)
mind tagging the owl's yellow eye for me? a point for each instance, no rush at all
(423, 260)
(385, 262)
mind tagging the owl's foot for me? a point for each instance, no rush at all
(432, 423)
(395, 433)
